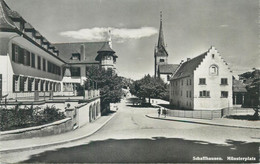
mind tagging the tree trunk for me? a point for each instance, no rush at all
(256, 114)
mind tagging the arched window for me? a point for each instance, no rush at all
(213, 70)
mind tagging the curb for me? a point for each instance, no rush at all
(57, 143)
(202, 123)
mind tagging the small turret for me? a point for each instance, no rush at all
(106, 56)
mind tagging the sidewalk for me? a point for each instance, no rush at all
(39, 142)
(215, 122)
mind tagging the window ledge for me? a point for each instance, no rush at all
(204, 97)
(202, 84)
(223, 84)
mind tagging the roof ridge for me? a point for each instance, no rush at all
(81, 42)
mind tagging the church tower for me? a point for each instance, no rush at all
(160, 53)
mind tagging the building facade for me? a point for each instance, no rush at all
(202, 83)
(161, 67)
(79, 57)
(29, 62)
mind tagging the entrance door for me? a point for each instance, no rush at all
(1, 94)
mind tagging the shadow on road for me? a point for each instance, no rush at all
(159, 149)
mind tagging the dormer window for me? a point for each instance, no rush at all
(161, 60)
(213, 70)
(75, 56)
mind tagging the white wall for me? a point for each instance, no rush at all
(178, 94)
(8, 68)
(212, 83)
(84, 112)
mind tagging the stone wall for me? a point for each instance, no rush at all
(57, 127)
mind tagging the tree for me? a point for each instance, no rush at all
(150, 87)
(252, 81)
(110, 85)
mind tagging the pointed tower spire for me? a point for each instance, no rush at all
(161, 38)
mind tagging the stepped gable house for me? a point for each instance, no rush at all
(202, 83)
(29, 62)
(161, 67)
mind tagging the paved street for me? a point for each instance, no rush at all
(132, 137)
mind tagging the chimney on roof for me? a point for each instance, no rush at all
(188, 59)
(82, 52)
(182, 61)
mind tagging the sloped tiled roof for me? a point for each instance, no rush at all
(167, 68)
(188, 67)
(5, 20)
(8, 18)
(238, 86)
(106, 48)
(91, 49)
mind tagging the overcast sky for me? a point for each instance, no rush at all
(190, 28)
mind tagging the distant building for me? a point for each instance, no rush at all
(204, 82)
(239, 91)
(161, 67)
(79, 57)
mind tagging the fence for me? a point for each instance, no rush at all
(209, 114)
(35, 95)
(89, 94)
(200, 114)
(237, 111)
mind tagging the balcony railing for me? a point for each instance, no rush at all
(90, 94)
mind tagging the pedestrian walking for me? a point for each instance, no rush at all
(159, 112)
(164, 112)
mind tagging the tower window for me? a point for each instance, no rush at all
(161, 60)
(213, 70)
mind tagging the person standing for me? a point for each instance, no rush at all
(159, 112)
(164, 112)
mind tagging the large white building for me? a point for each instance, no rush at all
(29, 62)
(202, 83)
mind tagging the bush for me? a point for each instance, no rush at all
(16, 118)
